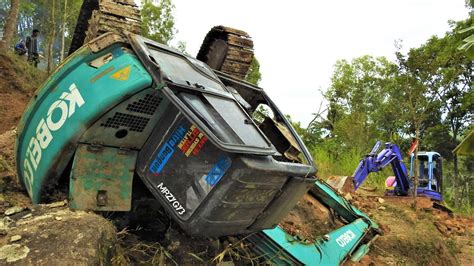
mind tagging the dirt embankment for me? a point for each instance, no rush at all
(18, 81)
(425, 236)
(42, 234)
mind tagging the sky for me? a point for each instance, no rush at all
(298, 42)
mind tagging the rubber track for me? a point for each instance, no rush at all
(99, 16)
(239, 53)
(82, 24)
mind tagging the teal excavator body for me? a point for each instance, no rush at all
(119, 109)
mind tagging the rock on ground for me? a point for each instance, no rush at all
(76, 238)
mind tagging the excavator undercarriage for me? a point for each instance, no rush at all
(225, 49)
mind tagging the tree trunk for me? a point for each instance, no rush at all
(456, 194)
(64, 32)
(53, 36)
(10, 26)
(415, 167)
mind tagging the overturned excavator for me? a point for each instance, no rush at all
(123, 108)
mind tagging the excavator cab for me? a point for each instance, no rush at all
(429, 173)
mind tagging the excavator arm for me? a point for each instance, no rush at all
(351, 241)
(374, 162)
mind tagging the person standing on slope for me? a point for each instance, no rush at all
(32, 46)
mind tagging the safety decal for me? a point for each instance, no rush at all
(192, 142)
(218, 170)
(167, 150)
(188, 141)
(122, 74)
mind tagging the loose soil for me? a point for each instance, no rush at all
(309, 220)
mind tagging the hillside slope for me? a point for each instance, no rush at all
(18, 81)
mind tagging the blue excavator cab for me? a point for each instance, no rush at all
(430, 173)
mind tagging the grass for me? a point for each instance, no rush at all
(30, 77)
(345, 165)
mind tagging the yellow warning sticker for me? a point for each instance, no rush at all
(122, 74)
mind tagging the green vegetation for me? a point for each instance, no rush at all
(158, 21)
(56, 20)
(424, 94)
(254, 76)
(32, 77)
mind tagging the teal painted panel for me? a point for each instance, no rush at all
(331, 252)
(101, 178)
(338, 244)
(66, 105)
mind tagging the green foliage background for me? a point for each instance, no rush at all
(427, 90)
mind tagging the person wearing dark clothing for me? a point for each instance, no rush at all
(20, 48)
(32, 46)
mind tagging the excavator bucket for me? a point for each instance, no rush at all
(350, 241)
(342, 184)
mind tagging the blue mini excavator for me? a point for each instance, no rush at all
(430, 171)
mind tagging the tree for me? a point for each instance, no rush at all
(52, 37)
(357, 97)
(158, 21)
(254, 76)
(9, 29)
(410, 95)
(63, 35)
(468, 43)
(446, 72)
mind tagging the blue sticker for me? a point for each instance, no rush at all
(167, 150)
(218, 170)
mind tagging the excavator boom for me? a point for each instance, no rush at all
(373, 162)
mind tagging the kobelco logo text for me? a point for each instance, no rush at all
(54, 120)
(345, 238)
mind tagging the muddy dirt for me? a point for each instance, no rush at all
(309, 220)
(425, 236)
